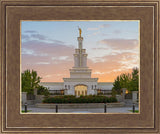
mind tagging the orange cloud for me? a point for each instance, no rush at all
(52, 61)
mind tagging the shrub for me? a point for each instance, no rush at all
(81, 99)
(43, 91)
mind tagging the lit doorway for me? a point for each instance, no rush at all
(80, 90)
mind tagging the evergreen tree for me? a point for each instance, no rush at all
(134, 83)
(125, 80)
(30, 81)
(116, 86)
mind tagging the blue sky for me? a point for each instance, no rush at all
(101, 39)
(106, 29)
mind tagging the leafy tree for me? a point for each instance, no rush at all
(30, 81)
(122, 81)
(129, 81)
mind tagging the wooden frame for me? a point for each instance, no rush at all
(13, 11)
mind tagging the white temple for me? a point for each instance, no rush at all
(80, 81)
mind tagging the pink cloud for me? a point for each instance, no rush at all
(120, 44)
(48, 59)
(59, 59)
(49, 48)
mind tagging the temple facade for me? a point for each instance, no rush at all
(80, 81)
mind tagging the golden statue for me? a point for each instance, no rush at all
(80, 31)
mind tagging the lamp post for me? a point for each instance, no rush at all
(133, 107)
(105, 108)
(56, 108)
(25, 107)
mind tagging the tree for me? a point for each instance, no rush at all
(116, 86)
(134, 83)
(129, 81)
(30, 81)
(125, 80)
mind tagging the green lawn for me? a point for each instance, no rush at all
(136, 111)
(27, 111)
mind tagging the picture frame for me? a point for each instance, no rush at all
(13, 11)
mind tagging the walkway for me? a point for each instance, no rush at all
(89, 110)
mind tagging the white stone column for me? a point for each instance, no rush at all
(24, 97)
(84, 60)
(76, 61)
(95, 91)
(119, 98)
(80, 40)
(123, 93)
(35, 91)
(134, 96)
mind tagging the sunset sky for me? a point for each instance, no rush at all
(48, 47)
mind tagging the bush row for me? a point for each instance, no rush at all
(81, 99)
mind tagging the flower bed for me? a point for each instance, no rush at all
(81, 99)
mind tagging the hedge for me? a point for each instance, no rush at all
(81, 99)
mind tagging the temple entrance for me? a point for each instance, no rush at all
(80, 90)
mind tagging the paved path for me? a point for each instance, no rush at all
(89, 110)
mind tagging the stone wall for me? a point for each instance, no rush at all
(119, 98)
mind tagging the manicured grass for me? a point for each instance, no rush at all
(136, 111)
(27, 111)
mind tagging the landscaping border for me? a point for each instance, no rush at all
(79, 105)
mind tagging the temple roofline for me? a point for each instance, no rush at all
(80, 79)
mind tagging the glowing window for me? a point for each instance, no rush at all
(81, 90)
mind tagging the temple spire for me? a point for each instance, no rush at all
(80, 39)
